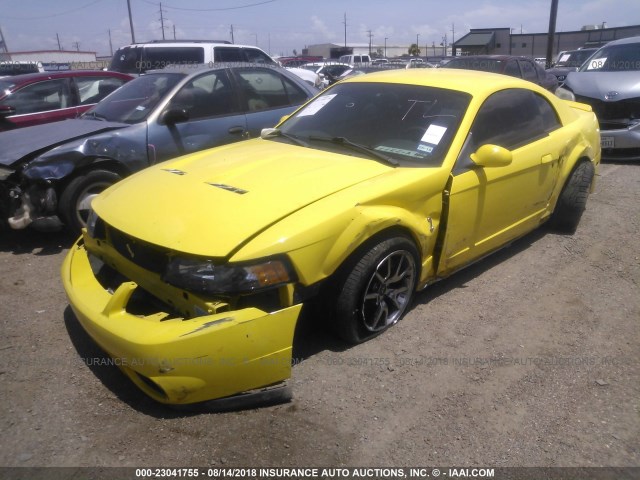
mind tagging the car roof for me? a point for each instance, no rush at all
(623, 41)
(492, 57)
(471, 81)
(26, 78)
(188, 69)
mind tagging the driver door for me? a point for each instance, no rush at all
(491, 206)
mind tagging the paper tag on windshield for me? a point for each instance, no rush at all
(317, 105)
(434, 134)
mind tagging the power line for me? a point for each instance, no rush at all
(211, 9)
(59, 14)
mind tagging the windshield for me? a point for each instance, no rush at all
(134, 101)
(614, 58)
(413, 125)
(574, 59)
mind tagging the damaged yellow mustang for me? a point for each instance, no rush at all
(193, 272)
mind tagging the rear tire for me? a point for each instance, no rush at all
(75, 201)
(377, 290)
(573, 199)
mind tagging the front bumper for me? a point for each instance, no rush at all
(180, 361)
(625, 141)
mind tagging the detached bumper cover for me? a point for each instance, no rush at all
(181, 361)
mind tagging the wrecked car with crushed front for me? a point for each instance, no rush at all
(193, 273)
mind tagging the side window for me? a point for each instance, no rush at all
(512, 69)
(225, 54)
(41, 97)
(256, 56)
(548, 114)
(207, 95)
(93, 89)
(510, 118)
(160, 57)
(528, 71)
(265, 89)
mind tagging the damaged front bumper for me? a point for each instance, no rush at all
(182, 361)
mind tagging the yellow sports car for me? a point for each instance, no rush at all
(192, 273)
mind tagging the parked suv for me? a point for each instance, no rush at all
(609, 81)
(140, 57)
(355, 59)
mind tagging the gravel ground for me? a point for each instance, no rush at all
(528, 358)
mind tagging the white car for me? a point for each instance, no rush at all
(308, 76)
(329, 72)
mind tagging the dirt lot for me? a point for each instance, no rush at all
(529, 358)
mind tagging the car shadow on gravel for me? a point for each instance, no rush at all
(29, 241)
(312, 335)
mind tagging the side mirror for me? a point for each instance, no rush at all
(174, 115)
(268, 132)
(492, 156)
(7, 111)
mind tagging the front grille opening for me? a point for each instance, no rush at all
(152, 385)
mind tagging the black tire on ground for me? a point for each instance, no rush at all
(76, 198)
(376, 290)
(573, 199)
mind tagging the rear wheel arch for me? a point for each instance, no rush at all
(573, 196)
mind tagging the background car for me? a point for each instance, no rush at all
(609, 81)
(56, 169)
(36, 98)
(19, 67)
(521, 67)
(570, 61)
(329, 72)
(213, 255)
(138, 58)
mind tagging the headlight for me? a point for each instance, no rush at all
(4, 173)
(204, 276)
(565, 94)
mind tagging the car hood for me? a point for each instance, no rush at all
(17, 144)
(599, 84)
(212, 202)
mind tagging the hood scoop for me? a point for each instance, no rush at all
(229, 188)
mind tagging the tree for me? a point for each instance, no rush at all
(414, 50)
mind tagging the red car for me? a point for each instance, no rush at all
(35, 98)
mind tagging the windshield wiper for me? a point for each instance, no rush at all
(95, 116)
(274, 133)
(357, 146)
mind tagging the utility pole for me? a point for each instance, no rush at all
(370, 37)
(77, 45)
(110, 44)
(3, 43)
(232, 41)
(174, 31)
(453, 39)
(133, 36)
(444, 45)
(385, 47)
(58, 38)
(345, 29)
(417, 48)
(552, 31)
(162, 20)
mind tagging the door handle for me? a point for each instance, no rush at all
(548, 158)
(235, 130)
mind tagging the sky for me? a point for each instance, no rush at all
(282, 26)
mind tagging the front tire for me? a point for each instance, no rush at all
(573, 199)
(75, 202)
(377, 290)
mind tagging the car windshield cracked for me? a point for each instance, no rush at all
(399, 124)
